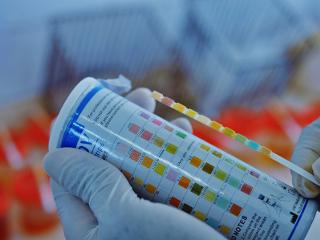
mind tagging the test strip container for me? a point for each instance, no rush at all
(163, 163)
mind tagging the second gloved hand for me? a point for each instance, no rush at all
(307, 156)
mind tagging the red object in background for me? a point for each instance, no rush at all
(33, 219)
(35, 132)
(3, 160)
(38, 128)
(25, 188)
(5, 203)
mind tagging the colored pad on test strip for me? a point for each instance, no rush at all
(232, 134)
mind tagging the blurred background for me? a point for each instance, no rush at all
(253, 65)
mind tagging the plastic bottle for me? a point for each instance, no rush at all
(166, 164)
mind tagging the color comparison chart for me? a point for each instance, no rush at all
(166, 164)
(232, 134)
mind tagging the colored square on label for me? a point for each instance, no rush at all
(241, 167)
(181, 134)
(160, 168)
(184, 182)
(200, 215)
(228, 160)
(196, 189)
(246, 188)
(255, 174)
(195, 161)
(126, 174)
(158, 141)
(171, 148)
(135, 155)
(122, 148)
(157, 121)
(205, 147)
(234, 182)
(134, 128)
(186, 208)
(235, 209)
(146, 135)
(217, 154)
(150, 188)
(168, 128)
(172, 175)
(213, 223)
(145, 115)
(138, 181)
(220, 174)
(147, 161)
(175, 202)
(210, 196)
(222, 202)
(208, 168)
(224, 230)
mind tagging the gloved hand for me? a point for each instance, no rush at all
(307, 155)
(95, 201)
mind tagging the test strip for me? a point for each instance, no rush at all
(232, 134)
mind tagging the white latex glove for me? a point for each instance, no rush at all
(95, 201)
(307, 155)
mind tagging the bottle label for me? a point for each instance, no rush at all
(166, 164)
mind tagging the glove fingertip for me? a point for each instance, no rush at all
(142, 97)
(316, 169)
(183, 123)
(305, 187)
